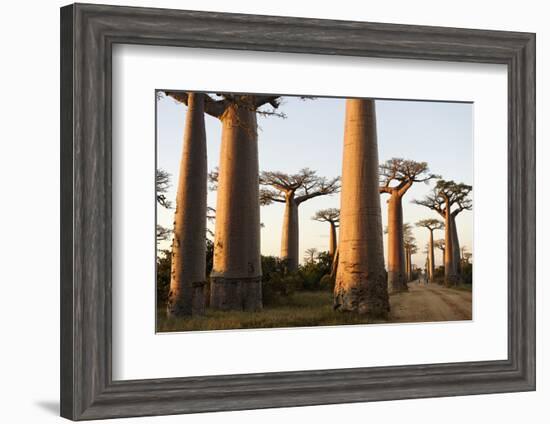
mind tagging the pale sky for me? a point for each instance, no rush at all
(439, 133)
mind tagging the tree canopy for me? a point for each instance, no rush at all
(331, 215)
(162, 183)
(399, 174)
(215, 105)
(449, 194)
(304, 185)
(409, 241)
(431, 224)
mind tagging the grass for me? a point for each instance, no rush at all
(303, 309)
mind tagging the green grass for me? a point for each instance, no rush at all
(303, 309)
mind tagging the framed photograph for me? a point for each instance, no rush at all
(262, 212)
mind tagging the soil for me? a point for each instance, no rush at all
(430, 302)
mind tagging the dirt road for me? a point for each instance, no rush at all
(432, 302)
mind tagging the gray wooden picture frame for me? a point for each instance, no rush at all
(88, 33)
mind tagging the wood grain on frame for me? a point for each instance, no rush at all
(88, 33)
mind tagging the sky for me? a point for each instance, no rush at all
(311, 136)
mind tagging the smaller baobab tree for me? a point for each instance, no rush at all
(466, 258)
(396, 178)
(440, 245)
(448, 199)
(293, 190)
(431, 225)
(332, 216)
(311, 254)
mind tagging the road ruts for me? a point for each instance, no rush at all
(429, 303)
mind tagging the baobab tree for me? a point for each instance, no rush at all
(332, 216)
(440, 244)
(448, 199)
(396, 178)
(293, 190)
(236, 273)
(431, 225)
(465, 257)
(311, 254)
(410, 248)
(188, 275)
(360, 284)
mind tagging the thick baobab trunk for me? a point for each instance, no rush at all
(236, 274)
(188, 274)
(332, 242)
(451, 276)
(397, 279)
(289, 240)
(360, 278)
(431, 265)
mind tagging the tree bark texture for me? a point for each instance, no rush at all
(236, 274)
(188, 274)
(451, 275)
(361, 283)
(397, 278)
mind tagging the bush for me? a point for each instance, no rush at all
(466, 271)
(279, 287)
(277, 282)
(164, 264)
(311, 273)
(326, 283)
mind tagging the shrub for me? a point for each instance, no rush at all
(164, 264)
(277, 282)
(311, 273)
(467, 273)
(326, 282)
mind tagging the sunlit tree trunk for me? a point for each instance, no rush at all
(236, 274)
(332, 242)
(397, 279)
(361, 284)
(188, 275)
(451, 275)
(289, 240)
